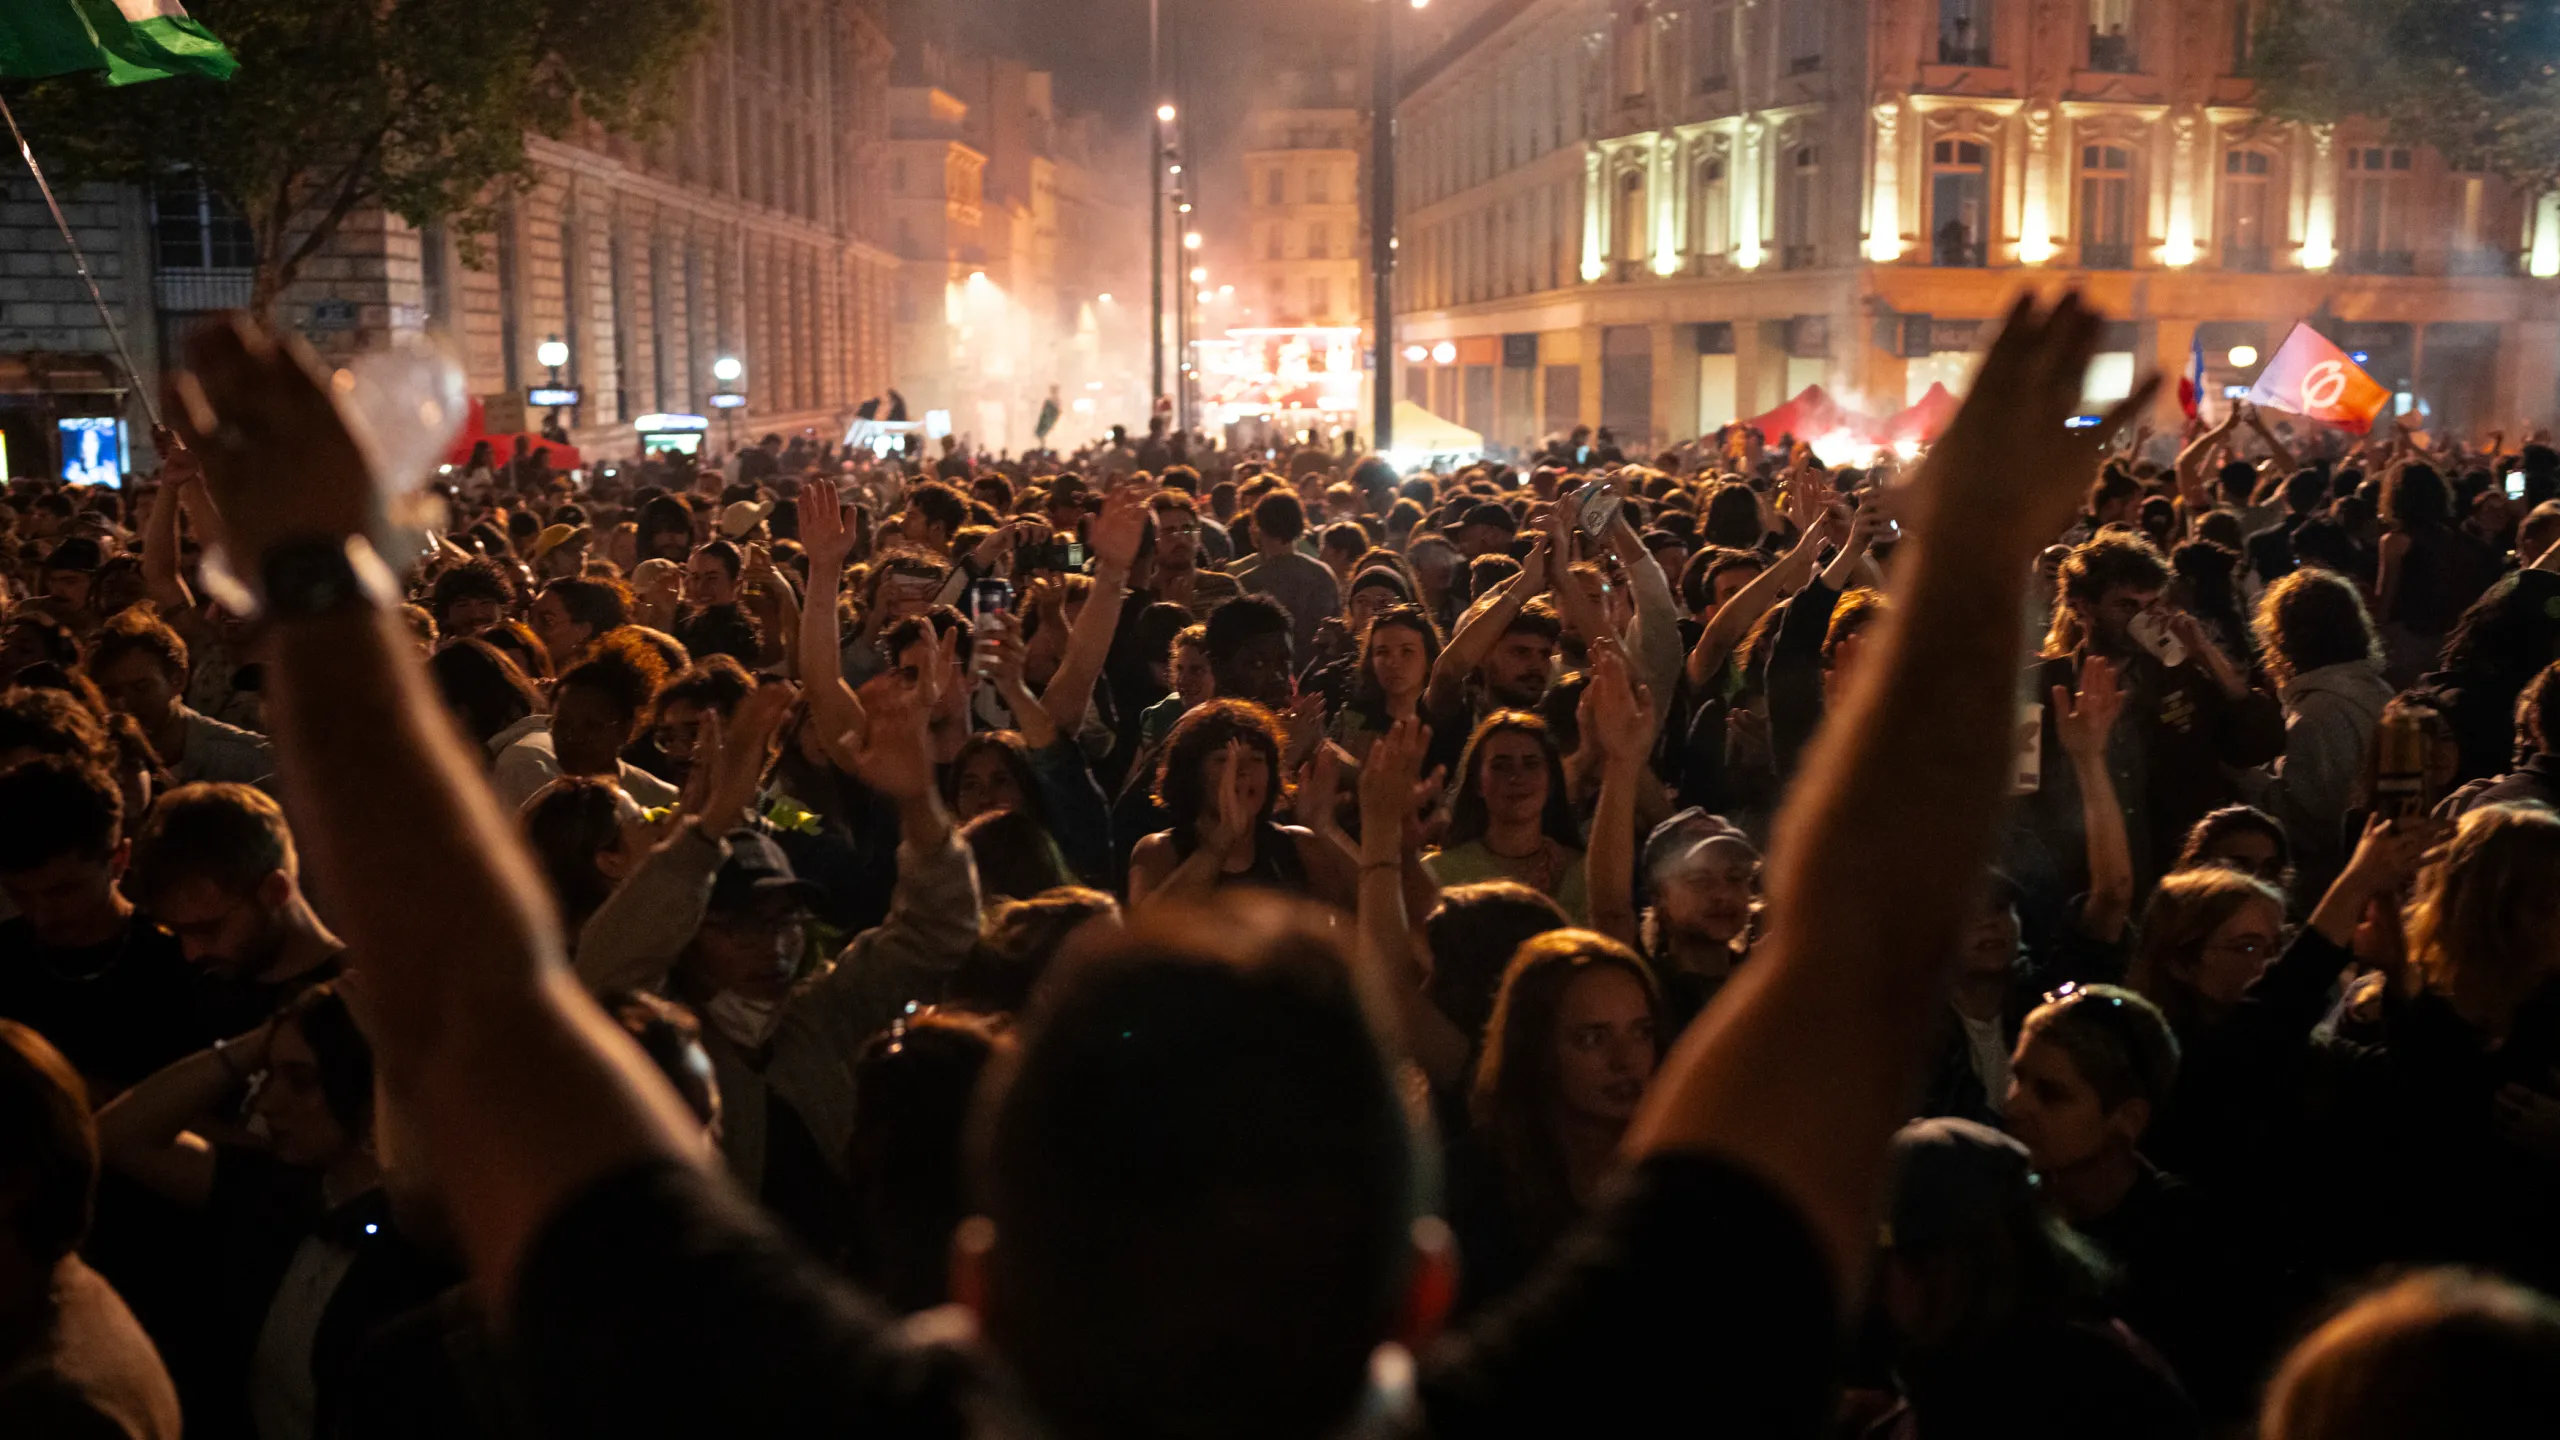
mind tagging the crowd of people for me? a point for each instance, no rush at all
(2055, 936)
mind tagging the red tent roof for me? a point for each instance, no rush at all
(1812, 412)
(503, 446)
(1927, 417)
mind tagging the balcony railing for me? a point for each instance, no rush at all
(2378, 262)
(2112, 52)
(1963, 50)
(194, 291)
(2254, 259)
(1956, 248)
(2105, 255)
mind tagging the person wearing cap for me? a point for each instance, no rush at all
(559, 551)
(741, 520)
(713, 623)
(1704, 876)
(717, 917)
(1488, 529)
(1993, 1308)
(65, 579)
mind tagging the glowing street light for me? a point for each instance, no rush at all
(1102, 299)
(1164, 113)
(1444, 353)
(1415, 354)
(1199, 273)
(1191, 241)
(727, 369)
(2244, 356)
(551, 354)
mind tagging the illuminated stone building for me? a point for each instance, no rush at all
(1662, 214)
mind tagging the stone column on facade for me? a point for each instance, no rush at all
(1593, 342)
(2035, 212)
(1748, 186)
(1596, 238)
(1663, 191)
(1884, 208)
(1759, 367)
(2179, 250)
(2320, 225)
(1675, 383)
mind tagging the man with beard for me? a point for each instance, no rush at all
(215, 865)
(1502, 654)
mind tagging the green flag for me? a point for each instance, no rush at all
(127, 40)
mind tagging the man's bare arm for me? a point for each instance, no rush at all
(1805, 1064)
(514, 1089)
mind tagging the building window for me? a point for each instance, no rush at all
(1959, 201)
(1630, 219)
(2106, 194)
(195, 229)
(1271, 242)
(1278, 290)
(1711, 43)
(1274, 186)
(1712, 222)
(1319, 186)
(1319, 298)
(1800, 208)
(1803, 35)
(2375, 228)
(1964, 33)
(1319, 242)
(2240, 22)
(2244, 209)
(1635, 52)
(2111, 36)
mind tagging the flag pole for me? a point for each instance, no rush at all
(150, 406)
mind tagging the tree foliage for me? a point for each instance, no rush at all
(2479, 80)
(421, 106)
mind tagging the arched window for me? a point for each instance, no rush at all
(2106, 207)
(1710, 208)
(1631, 217)
(2247, 220)
(1959, 202)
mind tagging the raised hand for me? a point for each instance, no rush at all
(1621, 712)
(824, 533)
(2086, 720)
(1223, 823)
(2007, 475)
(2388, 855)
(1319, 783)
(1120, 527)
(278, 457)
(736, 765)
(892, 750)
(1391, 779)
(1534, 568)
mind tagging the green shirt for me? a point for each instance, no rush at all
(1472, 863)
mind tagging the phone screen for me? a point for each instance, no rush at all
(2515, 484)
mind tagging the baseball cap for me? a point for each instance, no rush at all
(1952, 1177)
(77, 553)
(743, 516)
(553, 537)
(756, 867)
(1496, 515)
(1684, 834)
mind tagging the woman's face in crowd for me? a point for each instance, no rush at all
(2053, 1109)
(678, 730)
(1604, 1046)
(1191, 678)
(1511, 769)
(986, 783)
(1396, 658)
(2250, 852)
(1730, 581)
(1251, 788)
(587, 732)
(708, 582)
(1708, 894)
(752, 950)
(299, 1123)
(2235, 952)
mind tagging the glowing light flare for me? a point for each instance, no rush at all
(1444, 353)
(2243, 356)
(1907, 449)
(1164, 113)
(1415, 354)
(727, 367)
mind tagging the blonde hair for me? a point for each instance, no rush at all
(2479, 927)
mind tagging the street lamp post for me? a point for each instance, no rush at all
(551, 354)
(1382, 220)
(1155, 209)
(729, 370)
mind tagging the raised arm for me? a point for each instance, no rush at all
(1484, 624)
(162, 579)
(143, 1134)
(1115, 534)
(2085, 722)
(1583, 615)
(516, 1091)
(1733, 618)
(2190, 467)
(1387, 941)
(1807, 1061)
(827, 539)
(1623, 714)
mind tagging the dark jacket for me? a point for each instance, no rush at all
(2177, 733)
(2477, 691)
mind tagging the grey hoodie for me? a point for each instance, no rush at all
(2329, 719)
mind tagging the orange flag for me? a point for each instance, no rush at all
(2313, 378)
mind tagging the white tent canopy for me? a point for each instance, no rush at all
(1421, 433)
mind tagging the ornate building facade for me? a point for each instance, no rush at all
(1660, 215)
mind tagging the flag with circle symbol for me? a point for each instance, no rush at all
(2313, 378)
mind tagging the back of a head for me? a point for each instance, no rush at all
(56, 806)
(48, 1145)
(1203, 1110)
(2444, 1354)
(232, 835)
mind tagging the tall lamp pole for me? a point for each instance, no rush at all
(1155, 214)
(1382, 220)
